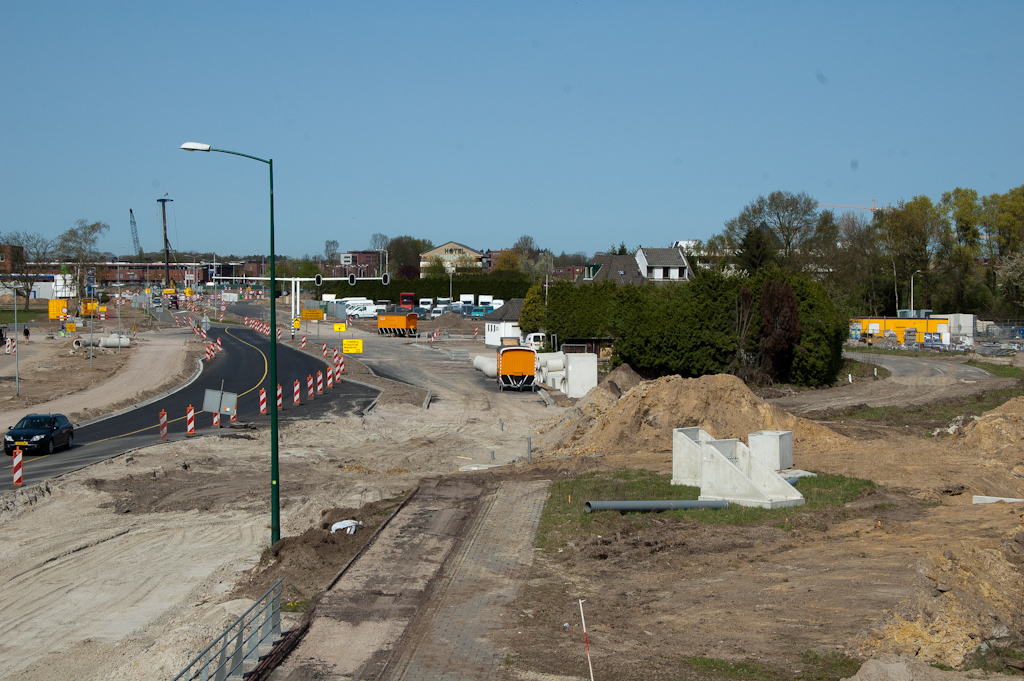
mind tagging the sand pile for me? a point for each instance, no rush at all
(452, 323)
(959, 599)
(997, 429)
(621, 380)
(643, 418)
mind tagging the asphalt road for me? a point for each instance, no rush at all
(243, 369)
(920, 367)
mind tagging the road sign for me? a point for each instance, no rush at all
(352, 346)
(71, 327)
(205, 325)
(312, 315)
(216, 402)
(296, 322)
(339, 326)
(223, 307)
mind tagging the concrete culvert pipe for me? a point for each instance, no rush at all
(113, 341)
(85, 342)
(488, 365)
(554, 365)
(644, 506)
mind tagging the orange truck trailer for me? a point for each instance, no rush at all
(516, 367)
(403, 325)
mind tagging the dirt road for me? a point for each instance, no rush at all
(914, 380)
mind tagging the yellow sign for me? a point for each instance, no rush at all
(352, 346)
(169, 291)
(71, 327)
(148, 290)
(312, 315)
(339, 326)
(103, 308)
(188, 291)
(295, 323)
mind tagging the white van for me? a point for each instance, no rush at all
(535, 341)
(366, 311)
(484, 300)
(467, 299)
(426, 303)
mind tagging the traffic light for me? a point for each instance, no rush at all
(352, 280)
(384, 279)
(318, 280)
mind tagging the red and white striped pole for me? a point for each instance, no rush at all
(585, 641)
(476, 331)
(295, 400)
(220, 348)
(279, 335)
(320, 382)
(303, 343)
(216, 419)
(163, 424)
(341, 365)
(336, 354)
(309, 386)
(280, 398)
(330, 377)
(16, 466)
(263, 400)
(323, 346)
(190, 420)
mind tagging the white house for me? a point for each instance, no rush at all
(503, 323)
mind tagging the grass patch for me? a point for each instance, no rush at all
(1000, 370)
(1001, 658)
(812, 667)
(862, 369)
(295, 606)
(934, 414)
(564, 518)
(7, 316)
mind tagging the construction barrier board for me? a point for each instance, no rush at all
(352, 346)
(339, 326)
(312, 315)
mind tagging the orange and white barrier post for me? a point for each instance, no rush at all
(320, 382)
(336, 354)
(303, 343)
(280, 398)
(279, 335)
(309, 386)
(263, 400)
(220, 348)
(476, 331)
(163, 424)
(216, 419)
(323, 346)
(330, 377)
(16, 466)
(190, 420)
(295, 400)
(341, 364)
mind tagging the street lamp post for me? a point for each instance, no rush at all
(275, 512)
(17, 384)
(912, 290)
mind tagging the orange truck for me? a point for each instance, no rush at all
(403, 325)
(517, 367)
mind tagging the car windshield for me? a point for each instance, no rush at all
(34, 422)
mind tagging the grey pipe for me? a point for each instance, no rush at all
(632, 506)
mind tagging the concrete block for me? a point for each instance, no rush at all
(730, 472)
(686, 455)
(774, 448)
(580, 373)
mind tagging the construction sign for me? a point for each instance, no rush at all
(339, 326)
(312, 315)
(296, 323)
(352, 346)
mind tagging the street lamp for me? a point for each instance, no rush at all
(912, 290)
(275, 512)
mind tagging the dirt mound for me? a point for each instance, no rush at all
(642, 419)
(452, 323)
(997, 429)
(621, 380)
(959, 599)
(309, 561)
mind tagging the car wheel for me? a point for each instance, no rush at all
(49, 446)
(71, 437)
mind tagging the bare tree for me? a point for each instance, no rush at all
(378, 241)
(78, 245)
(31, 250)
(331, 251)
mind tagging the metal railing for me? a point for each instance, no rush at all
(240, 643)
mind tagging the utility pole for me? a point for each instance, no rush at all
(167, 244)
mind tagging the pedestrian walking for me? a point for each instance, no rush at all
(26, 334)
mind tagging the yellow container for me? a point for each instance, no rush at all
(89, 306)
(58, 308)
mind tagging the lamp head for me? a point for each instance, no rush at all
(195, 146)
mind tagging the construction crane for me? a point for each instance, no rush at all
(871, 208)
(135, 234)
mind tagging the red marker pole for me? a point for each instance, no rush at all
(16, 466)
(190, 420)
(309, 386)
(263, 400)
(586, 642)
(163, 424)
(280, 398)
(297, 390)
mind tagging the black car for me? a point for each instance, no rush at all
(39, 433)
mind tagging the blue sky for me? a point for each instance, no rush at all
(580, 124)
